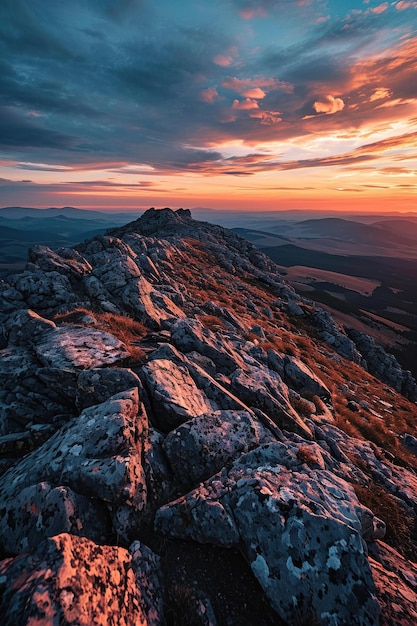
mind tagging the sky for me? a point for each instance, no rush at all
(228, 104)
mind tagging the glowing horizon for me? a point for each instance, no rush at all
(245, 105)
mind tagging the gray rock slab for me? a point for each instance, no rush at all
(96, 385)
(264, 389)
(302, 378)
(190, 335)
(41, 511)
(202, 446)
(175, 398)
(76, 347)
(97, 455)
(149, 305)
(300, 530)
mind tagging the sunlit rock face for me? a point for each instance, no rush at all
(177, 425)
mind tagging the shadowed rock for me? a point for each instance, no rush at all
(200, 447)
(300, 530)
(97, 455)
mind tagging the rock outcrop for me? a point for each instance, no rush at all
(162, 394)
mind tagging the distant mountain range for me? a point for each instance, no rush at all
(22, 227)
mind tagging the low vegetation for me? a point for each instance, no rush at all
(123, 327)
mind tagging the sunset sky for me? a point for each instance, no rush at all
(229, 104)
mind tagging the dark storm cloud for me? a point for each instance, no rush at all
(24, 30)
(19, 132)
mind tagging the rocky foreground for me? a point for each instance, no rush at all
(185, 440)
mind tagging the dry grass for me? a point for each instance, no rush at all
(211, 322)
(400, 524)
(301, 405)
(123, 327)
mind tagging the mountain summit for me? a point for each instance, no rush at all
(186, 440)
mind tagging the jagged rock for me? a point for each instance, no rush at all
(202, 446)
(96, 385)
(220, 398)
(97, 455)
(24, 396)
(373, 528)
(353, 406)
(230, 320)
(300, 531)
(114, 268)
(41, 511)
(63, 381)
(396, 585)
(66, 261)
(276, 362)
(302, 378)
(383, 365)
(10, 299)
(190, 335)
(103, 474)
(75, 347)
(24, 327)
(71, 580)
(159, 476)
(44, 291)
(409, 442)
(333, 335)
(14, 445)
(264, 389)
(401, 482)
(148, 304)
(175, 398)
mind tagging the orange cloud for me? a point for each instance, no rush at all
(245, 105)
(401, 6)
(269, 118)
(257, 93)
(209, 95)
(223, 60)
(380, 8)
(329, 105)
(397, 102)
(380, 94)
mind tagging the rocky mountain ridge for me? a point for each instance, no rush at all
(166, 398)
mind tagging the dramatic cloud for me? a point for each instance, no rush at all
(182, 92)
(245, 105)
(329, 105)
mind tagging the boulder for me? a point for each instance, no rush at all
(149, 305)
(66, 261)
(71, 580)
(264, 389)
(302, 378)
(97, 455)
(98, 384)
(300, 530)
(41, 510)
(77, 348)
(45, 292)
(24, 327)
(384, 365)
(174, 396)
(190, 335)
(202, 446)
